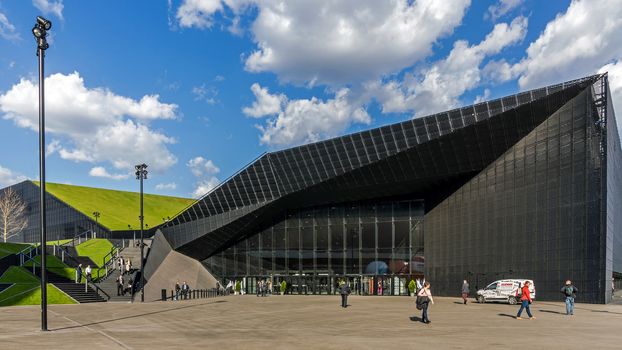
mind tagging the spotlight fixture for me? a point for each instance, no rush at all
(44, 23)
(40, 32)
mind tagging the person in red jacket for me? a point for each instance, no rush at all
(525, 300)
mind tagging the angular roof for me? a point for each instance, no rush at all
(423, 157)
(117, 208)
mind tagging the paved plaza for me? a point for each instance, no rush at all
(309, 322)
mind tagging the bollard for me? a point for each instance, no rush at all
(172, 294)
(163, 294)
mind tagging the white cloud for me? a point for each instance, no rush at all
(482, 98)
(350, 40)
(615, 87)
(501, 8)
(439, 86)
(102, 172)
(201, 166)
(576, 43)
(205, 93)
(204, 170)
(265, 103)
(9, 177)
(49, 6)
(345, 41)
(52, 148)
(198, 13)
(7, 29)
(167, 186)
(204, 186)
(304, 120)
(95, 122)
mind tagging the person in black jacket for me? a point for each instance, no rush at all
(344, 291)
(570, 292)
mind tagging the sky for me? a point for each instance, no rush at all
(197, 89)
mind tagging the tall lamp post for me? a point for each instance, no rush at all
(96, 214)
(141, 174)
(40, 32)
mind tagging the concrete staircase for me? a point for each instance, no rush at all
(132, 253)
(109, 285)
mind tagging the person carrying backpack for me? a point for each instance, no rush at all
(570, 292)
(525, 299)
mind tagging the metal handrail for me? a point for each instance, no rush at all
(79, 238)
(27, 252)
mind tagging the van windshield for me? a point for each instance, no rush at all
(492, 286)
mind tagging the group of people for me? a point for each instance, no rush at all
(124, 266)
(264, 287)
(122, 288)
(424, 297)
(181, 291)
(87, 273)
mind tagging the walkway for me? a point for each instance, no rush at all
(310, 322)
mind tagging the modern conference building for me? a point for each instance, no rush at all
(525, 186)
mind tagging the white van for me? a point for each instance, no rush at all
(504, 291)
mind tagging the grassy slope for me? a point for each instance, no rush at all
(96, 249)
(118, 208)
(11, 248)
(16, 274)
(56, 266)
(30, 294)
(26, 290)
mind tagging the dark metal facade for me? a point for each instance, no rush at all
(513, 187)
(539, 211)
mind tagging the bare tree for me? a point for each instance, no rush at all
(12, 214)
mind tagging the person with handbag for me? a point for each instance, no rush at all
(424, 298)
(525, 300)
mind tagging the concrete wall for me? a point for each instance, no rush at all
(165, 266)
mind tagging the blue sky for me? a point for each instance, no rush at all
(199, 88)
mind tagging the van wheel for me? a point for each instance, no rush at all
(512, 300)
(480, 299)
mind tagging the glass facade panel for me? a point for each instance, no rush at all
(314, 249)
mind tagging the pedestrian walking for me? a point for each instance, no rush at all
(424, 298)
(177, 290)
(258, 287)
(185, 289)
(128, 266)
(525, 299)
(120, 286)
(344, 290)
(465, 291)
(121, 264)
(379, 287)
(130, 284)
(79, 274)
(570, 292)
(88, 272)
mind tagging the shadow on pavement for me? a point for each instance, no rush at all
(552, 312)
(608, 312)
(136, 316)
(507, 315)
(415, 318)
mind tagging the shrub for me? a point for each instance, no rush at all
(412, 286)
(238, 286)
(283, 286)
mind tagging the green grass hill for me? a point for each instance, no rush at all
(118, 208)
(26, 290)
